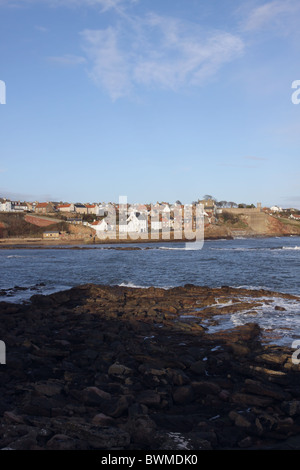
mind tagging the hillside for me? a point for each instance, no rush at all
(253, 224)
(17, 226)
(228, 225)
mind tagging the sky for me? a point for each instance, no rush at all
(156, 100)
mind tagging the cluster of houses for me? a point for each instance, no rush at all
(137, 218)
(48, 207)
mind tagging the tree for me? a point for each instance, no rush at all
(232, 204)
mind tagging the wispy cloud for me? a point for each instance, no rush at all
(157, 51)
(274, 14)
(67, 60)
(110, 67)
(104, 4)
(15, 196)
(42, 29)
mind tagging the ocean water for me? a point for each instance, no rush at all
(268, 263)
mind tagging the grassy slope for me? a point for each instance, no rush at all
(15, 225)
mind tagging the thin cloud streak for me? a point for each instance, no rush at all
(271, 14)
(157, 51)
(104, 4)
(15, 196)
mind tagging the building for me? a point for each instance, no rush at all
(100, 226)
(44, 208)
(18, 206)
(135, 223)
(51, 235)
(276, 209)
(74, 220)
(5, 206)
(92, 209)
(65, 207)
(208, 204)
(80, 208)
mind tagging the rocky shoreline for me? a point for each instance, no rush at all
(119, 368)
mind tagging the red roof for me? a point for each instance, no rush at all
(42, 204)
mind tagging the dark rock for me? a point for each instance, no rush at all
(182, 395)
(100, 367)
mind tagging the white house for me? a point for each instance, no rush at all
(18, 206)
(136, 222)
(5, 206)
(276, 209)
(156, 224)
(100, 226)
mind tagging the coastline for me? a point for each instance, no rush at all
(86, 243)
(99, 367)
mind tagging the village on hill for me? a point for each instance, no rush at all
(65, 220)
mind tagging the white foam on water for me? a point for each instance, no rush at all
(136, 286)
(172, 248)
(291, 247)
(181, 442)
(284, 324)
(133, 286)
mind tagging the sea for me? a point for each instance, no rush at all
(253, 263)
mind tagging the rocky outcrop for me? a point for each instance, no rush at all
(100, 367)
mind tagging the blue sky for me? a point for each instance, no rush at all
(157, 100)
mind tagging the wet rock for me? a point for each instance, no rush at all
(63, 442)
(119, 370)
(102, 420)
(95, 396)
(198, 368)
(240, 420)
(142, 430)
(248, 399)
(149, 398)
(11, 417)
(182, 395)
(118, 407)
(269, 390)
(204, 387)
(109, 438)
(246, 442)
(90, 369)
(49, 388)
(292, 408)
